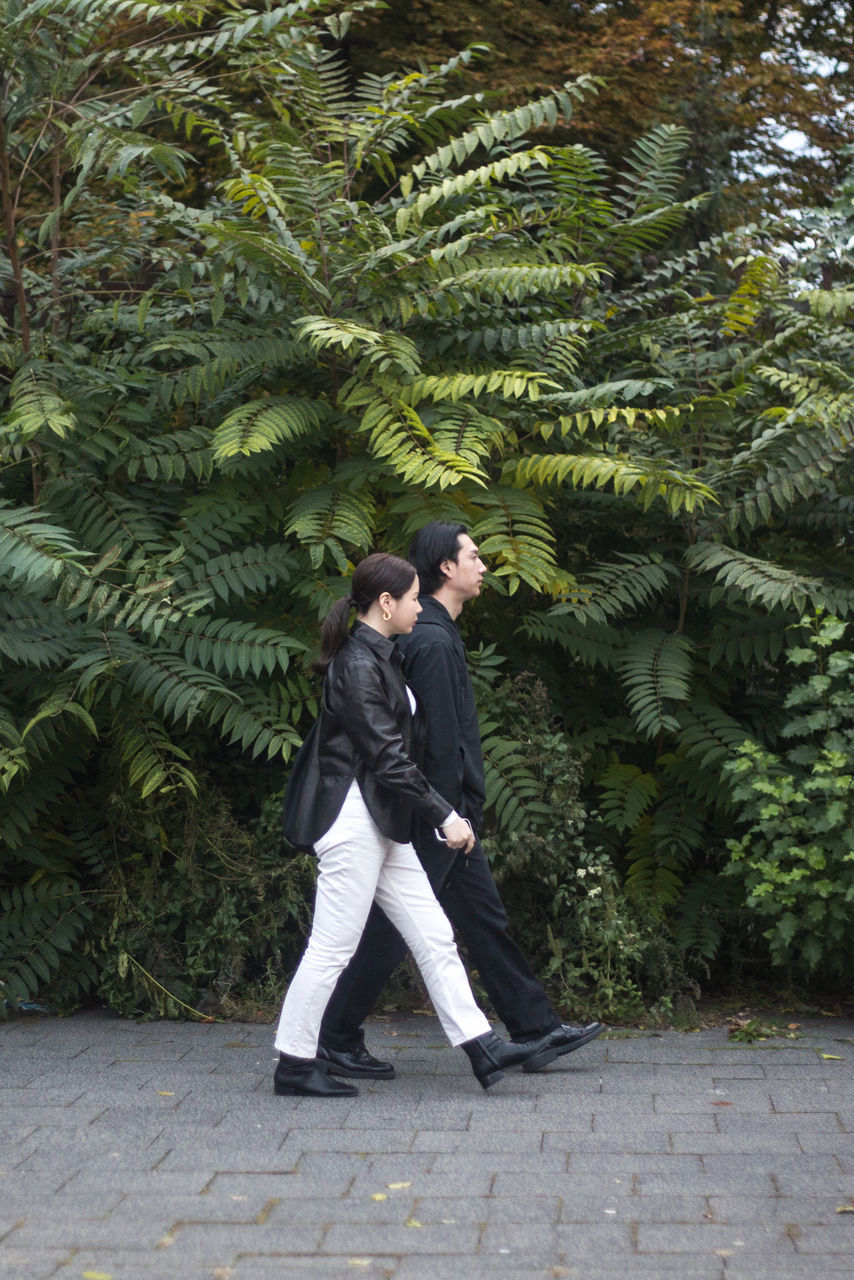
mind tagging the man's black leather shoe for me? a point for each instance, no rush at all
(564, 1039)
(356, 1063)
(308, 1078)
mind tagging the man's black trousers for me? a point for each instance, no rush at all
(469, 897)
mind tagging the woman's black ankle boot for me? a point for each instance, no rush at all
(490, 1056)
(305, 1077)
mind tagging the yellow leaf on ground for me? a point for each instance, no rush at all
(397, 1186)
(412, 1222)
(97, 1275)
(833, 1057)
(164, 1093)
(358, 1262)
(846, 1208)
(379, 1195)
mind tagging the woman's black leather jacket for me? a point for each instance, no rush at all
(364, 731)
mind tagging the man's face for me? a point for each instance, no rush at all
(465, 574)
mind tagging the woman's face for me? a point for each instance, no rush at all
(404, 611)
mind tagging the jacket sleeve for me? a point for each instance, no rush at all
(432, 676)
(362, 706)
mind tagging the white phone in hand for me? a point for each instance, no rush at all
(442, 839)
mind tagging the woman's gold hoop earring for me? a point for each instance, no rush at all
(386, 616)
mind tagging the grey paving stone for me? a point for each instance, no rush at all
(615, 1119)
(447, 1183)
(483, 1209)
(544, 1162)
(750, 1100)
(751, 1269)
(613, 1142)
(31, 1264)
(428, 1238)
(467, 1142)
(511, 1183)
(826, 1140)
(834, 1237)
(120, 1230)
(578, 1244)
(769, 1239)
(90, 1182)
(741, 1143)
(635, 1208)
(257, 1267)
(738, 1209)
(565, 1184)
(326, 1211)
(777, 1122)
(505, 1113)
(353, 1140)
(682, 1167)
(681, 1268)
(218, 1243)
(377, 1166)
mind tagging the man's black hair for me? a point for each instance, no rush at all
(432, 545)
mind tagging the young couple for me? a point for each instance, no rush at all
(393, 693)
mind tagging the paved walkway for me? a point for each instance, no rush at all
(158, 1150)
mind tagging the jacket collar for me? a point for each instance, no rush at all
(433, 611)
(381, 645)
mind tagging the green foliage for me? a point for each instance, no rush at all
(232, 952)
(259, 320)
(795, 857)
(42, 925)
(570, 912)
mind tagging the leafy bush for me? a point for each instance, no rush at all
(593, 948)
(795, 858)
(392, 304)
(215, 922)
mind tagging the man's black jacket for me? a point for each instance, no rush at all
(364, 731)
(434, 664)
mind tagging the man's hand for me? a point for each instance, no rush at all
(459, 835)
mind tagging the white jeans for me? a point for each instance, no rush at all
(358, 865)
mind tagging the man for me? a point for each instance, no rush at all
(451, 572)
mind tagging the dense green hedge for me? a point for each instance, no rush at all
(392, 304)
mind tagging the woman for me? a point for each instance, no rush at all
(351, 797)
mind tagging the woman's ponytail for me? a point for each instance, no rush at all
(332, 633)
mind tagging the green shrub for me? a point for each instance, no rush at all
(795, 857)
(596, 952)
(213, 924)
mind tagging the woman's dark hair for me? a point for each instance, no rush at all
(432, 545)
(374, 575)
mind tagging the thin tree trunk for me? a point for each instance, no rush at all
(11, 240)
(56, 174)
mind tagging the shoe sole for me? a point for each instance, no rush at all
(543, 1059)
(486, 1082)
(289, 1091)
(353, 1073)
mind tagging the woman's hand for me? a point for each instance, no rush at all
(459, 835)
